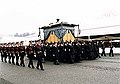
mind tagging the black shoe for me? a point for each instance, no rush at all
(20, 64)
(17, 64)
(23, 65)
(42, 69)
(37, 68)
(29, 66)
(33, 67)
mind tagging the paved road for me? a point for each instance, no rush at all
(105, 70)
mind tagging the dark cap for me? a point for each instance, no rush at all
(5, 43)
(17, 42)
(21, 41)
(30, 41)
(9, 43)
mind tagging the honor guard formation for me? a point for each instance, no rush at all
(59, 46)
(14, 53)
(66, 52)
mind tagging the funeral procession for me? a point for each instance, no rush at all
(59, 41)
(60, 46)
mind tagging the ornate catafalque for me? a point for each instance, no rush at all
(59, 32)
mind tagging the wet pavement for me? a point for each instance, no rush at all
(105, 70)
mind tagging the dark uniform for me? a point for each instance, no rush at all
(65, 52)
(103, 49)
(30, 52)
(55, 54)
(12, 54)
(50, 52)
(22, 54)
(2, 54)
(84, 50)
(39, 55)
(61, 52)
(96, 47)
(69, 53)
(9, 53)
(111, 50)
(78, 52)
(16, 50)
(5, 53)
(46, 52)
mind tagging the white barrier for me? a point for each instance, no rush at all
(107, 50)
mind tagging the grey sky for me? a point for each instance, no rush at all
(27, 15)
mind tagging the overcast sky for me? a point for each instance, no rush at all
(27, 15)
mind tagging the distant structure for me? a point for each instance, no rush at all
(59, 32)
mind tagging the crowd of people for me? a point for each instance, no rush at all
(66, 52)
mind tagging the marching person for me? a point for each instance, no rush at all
(96, 46)
(61, 52)
(103, 49)
(43, 50)
(50, 52)
(2, 54)
(30, 52)
(46, 52)
(69, 53)
(12, 53)
(78, 52)
(17, 53)
(39, 54)
(22, 54)
(55, 54)
(84, 49)
(65, 52)
(111, 50)
(5, 52)
(9, 53)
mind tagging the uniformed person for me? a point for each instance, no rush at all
(65, 51)
(91, 50)
(103, 49)
(12, 53)
(84, 49)
(22, 53)
(96, 46)
(2, 54)
(61, 52)
(16, 50)
(9, 53)
(55, 54)
(51, 52)
(78, 52)
(30, 52)
(111, 50)
(39, 54)
(46, 52)
(43, 50)
(70, 53)
(5, 52)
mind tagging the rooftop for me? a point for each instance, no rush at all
(53, 25)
